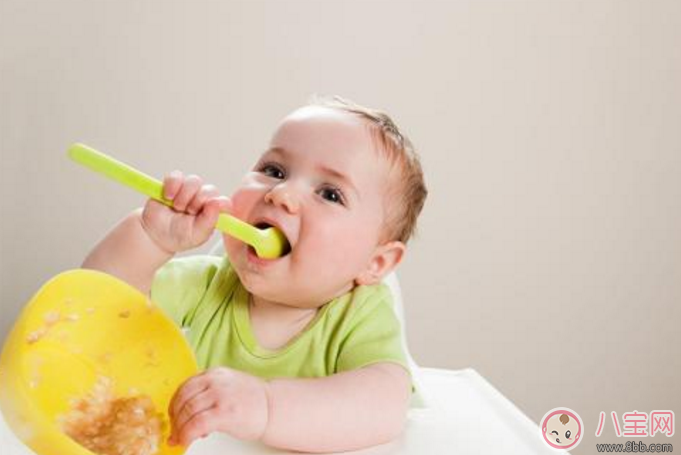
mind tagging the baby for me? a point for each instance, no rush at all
(302, 352)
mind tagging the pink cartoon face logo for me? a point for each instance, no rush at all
(561, 428)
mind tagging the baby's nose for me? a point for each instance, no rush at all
(283, 196)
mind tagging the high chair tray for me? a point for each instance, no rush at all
(462, 414)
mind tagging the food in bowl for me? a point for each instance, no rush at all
(110, 425)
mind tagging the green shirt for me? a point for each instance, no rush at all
(204, 295)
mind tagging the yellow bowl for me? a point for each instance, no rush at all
(81, 325)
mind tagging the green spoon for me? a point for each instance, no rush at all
(269, 243)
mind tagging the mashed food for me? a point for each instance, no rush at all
(107, 425)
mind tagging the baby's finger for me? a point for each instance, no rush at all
(200, 402)
(198, 426)
(189, 389)
(192, 184)
(206, 192)
(225, 204)
(171, 184)
(206, 220)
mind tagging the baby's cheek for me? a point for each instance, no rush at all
(243, 202)
(333, 241)
(240, 204)
(347, 254)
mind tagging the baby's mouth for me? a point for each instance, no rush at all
(287, 245)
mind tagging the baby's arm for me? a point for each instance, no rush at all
(128, 253)
(147, 238)
(345, 411)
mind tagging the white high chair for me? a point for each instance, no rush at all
(453, 411)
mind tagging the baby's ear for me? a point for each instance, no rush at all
(384, 260)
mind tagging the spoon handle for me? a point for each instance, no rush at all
(118, 171)
(147, 185)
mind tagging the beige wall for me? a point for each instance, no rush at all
(549, 255)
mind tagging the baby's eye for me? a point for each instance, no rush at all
(555, 432)
(567, 434)
(332, 195)
(272, 170)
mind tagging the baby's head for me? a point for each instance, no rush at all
(345, 187)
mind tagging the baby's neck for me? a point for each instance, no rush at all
(275, 324)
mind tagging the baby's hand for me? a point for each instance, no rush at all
(220, 399)
(191, 220)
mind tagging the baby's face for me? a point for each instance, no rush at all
(561, 434)
(323, 183)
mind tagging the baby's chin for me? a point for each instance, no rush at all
(289, 296)
(261, 287)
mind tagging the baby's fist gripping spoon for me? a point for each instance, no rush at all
(269, 243)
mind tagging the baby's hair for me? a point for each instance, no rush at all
(408, 185)
(564, 419)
